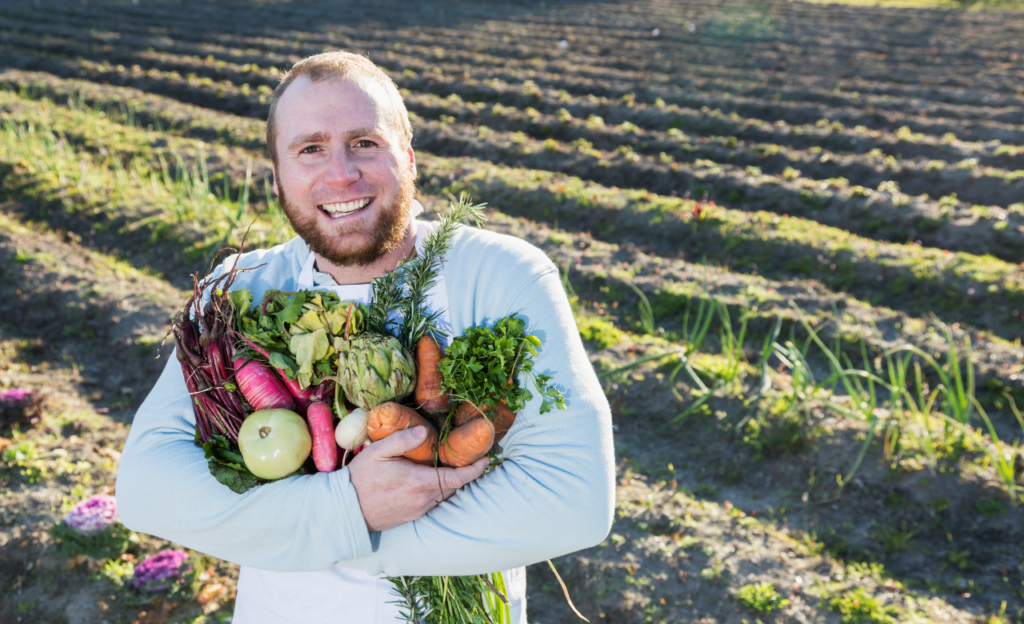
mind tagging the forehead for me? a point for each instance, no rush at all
(333, 106)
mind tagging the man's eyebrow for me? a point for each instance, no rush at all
(351, 134)
(316, 137)
(323, 137)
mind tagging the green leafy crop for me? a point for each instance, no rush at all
(483, 365)
(299, 330)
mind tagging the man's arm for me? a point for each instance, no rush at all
(302, 523)
(164, 488)
(553, 494)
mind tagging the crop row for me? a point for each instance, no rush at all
(75, 282)
(984, 278)
(45, 173)
(58, 166)
(883, 212)
(531, 39)
(982, 291)
(948, 223)
(485, 86)
(976, 290)
(78, 170)
(704, 117)
(767, 102)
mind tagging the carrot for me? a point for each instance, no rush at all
(320, 417)
(391, 417)
(467, 443)
(500, 415)
(503, 419)
(430, 395)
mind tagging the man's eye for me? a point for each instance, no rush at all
(365, 143)
(310, 149)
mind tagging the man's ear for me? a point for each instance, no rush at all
(273, 175)
(412, 161)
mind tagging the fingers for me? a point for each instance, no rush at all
(399, 443)
(454, 478)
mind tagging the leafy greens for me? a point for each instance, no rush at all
(483, 365)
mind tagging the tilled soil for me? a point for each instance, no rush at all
(901, 126)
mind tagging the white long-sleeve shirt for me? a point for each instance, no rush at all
(553, 494)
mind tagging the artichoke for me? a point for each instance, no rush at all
(374, 369)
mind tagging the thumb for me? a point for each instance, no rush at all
(454, 478)
(401, 442)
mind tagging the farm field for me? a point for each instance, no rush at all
(792, 234)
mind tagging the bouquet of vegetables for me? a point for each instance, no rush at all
(281, 385)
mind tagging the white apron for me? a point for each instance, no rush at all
(342, 595)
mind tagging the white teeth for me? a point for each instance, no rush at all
(337, 210)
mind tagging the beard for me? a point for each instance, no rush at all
(386, 235)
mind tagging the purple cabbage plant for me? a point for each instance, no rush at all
(93, 514)
(158, 572)
(20, 405)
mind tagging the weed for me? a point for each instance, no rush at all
(760, 597)
(106, 544)
(601, 332)
(714, 572)
(857, 606)
(960, 559)
(893, 539)
(785, 435)
(646, 312)
(731, 343)
(991, 507)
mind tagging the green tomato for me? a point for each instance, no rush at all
(274, 443)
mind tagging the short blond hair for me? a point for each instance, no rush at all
(341, 65)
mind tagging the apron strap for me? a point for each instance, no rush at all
(306, 275)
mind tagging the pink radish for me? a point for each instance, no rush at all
(321, 426)
(261, 387)
(302, 397)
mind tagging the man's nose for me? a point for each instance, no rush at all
(342, 169)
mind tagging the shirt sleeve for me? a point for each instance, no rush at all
(164, 488)
(554, 492)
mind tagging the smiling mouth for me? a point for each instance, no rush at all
(345, 209)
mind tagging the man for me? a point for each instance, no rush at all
(314, 548)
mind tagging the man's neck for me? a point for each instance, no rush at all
(356, 274)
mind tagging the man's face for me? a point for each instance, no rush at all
(344, 179)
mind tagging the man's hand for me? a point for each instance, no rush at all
(393, 490)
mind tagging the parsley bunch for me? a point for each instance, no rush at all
(483, 365)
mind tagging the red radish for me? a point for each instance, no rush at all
(261, 387)
(302, 397)
(321, 426)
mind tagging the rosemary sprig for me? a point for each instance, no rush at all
(404, 291)
(419, 275)
(386, 298)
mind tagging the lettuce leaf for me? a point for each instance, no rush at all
(308, 348)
